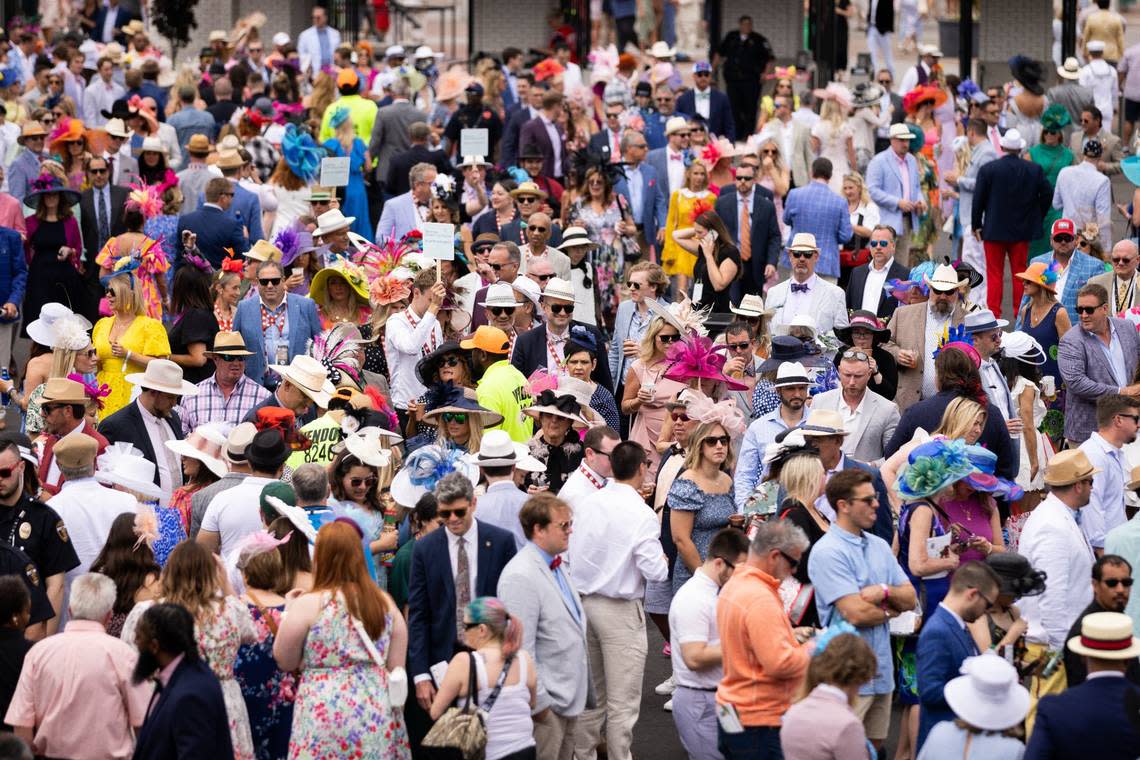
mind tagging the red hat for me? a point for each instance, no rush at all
(1063, 227)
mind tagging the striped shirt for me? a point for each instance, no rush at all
(209, 405)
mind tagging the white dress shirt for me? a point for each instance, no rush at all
(615, 547)
(935, 326)
(404, 346)
(578, 486)
(996, 388)
(702, 101)
(692, 620)
(799, 302)
(1105, 509)
(159, 431)
(471, 546)
(98, 97)
(675, 165)
(88, 508)
(873, 286)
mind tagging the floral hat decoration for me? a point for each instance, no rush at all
(425, 467)
(340, 266)
(957, 337)
(443, 188)
(933, 466)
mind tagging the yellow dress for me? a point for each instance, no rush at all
(675, 259)
(144, 336)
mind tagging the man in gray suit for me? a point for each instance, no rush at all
(981, 153)
(390, 130)
(1098, 356)
(539, 592)
(870, 419)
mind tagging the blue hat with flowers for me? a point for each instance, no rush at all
(933, 466)
(985, 464)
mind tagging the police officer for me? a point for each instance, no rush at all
(34, 528)
(16, 564)
(473, 115)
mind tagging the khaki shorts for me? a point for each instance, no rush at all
(875, 712)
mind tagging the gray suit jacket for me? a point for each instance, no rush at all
(390, 133)
(551, 634)
(876, 424)
(1088, 375)
(982, 154)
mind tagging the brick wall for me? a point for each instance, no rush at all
(1012, 26)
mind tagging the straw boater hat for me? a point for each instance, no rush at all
(331, 221)
(529, 188)
(988, 694)
(60, 390)
(1134, 484)
(500, 294)
(310, 377)
(164, 376)
(205, 445)
(1106, 636)
(752, 305)
(1068, 467)
(561, 289)
(229, 344)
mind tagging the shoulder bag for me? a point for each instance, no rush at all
(461, 732)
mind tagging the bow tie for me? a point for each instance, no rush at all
(554, 563)
(798, 288)
(676, 157)
(557, 340)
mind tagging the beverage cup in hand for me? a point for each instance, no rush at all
(1048, 386)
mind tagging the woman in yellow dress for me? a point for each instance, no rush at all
(685, 205)
(127, 340)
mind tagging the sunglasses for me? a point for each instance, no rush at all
(1083, 243)
(801, 254)
(366, 482)
(878, 243)
(97, 171)
(447, 514)
(665, 338)
(498, 267)
(1087, 309)
(769, 152)
(543, 277)
(714, 440)
(450, 361)
(6, 472)
(1111, 582)
(1122, 260)
(500, 311)
(527, 199)
(613, 115)
(679, 417)
(792, 561)
(269, 281)
(458, 417)
(856, 355)
(532, 228)
(739, 346)
(91, 352)
(564, 526)
(561, 308)
(635, 286)
(740, 178)
(48, 409)
(231, 358)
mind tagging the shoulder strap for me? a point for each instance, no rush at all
(494, 695)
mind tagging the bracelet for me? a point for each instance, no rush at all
(886, 595)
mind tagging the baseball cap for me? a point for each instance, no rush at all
(474, 88)
(280, 39)
(702, 67)
(1063, 227)
(347, 78)
(489, 339)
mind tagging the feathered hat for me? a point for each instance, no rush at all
(335, 348)
(301, 153)
(694, 357)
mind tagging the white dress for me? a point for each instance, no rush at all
(1044, 452)
(833, 147)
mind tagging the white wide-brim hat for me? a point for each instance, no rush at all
(366, 445)
(988, 695)
(310, 376)
(296, 516)
(1106, 636)
(133, 472)
(197, 446)
(59, 327)
(164, 376)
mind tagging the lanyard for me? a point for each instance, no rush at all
(1123, 298)
(590, 476)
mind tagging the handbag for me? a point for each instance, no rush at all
(855, 252)
(461, 732)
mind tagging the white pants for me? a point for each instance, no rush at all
(880, 46)
(974, 255)
(694, 714)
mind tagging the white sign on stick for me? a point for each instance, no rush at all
(474, 142)
(439, 241)
(334, 171)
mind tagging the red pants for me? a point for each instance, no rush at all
(995, 270)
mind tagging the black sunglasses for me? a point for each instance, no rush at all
(447, 514)
(739, 346)
(1062, 238)
(561, 308)
(792, 561)
(665, 338)
(1111, 582)
(713, 440)
(459, 417)
(367, 482)
(532, 228)
(497, 267)
(527, 199)
(268, 281)
(543, 277)
(801, 254)
(450, 361)
(741, 178)
(1087, 309)
(97, 171)
(231, 357)
(878, 243)
(500, 311)
(679, 417)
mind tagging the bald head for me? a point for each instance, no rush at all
(1124, 259)
(538, 228)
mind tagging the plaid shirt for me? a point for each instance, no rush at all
(209, 405)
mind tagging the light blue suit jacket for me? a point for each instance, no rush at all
(654, 201)
(398, 217)
(884, 183)
(304, 325)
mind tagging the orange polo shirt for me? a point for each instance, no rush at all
(763, 664)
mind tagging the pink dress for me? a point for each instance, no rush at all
(647, 421)
(973, 514)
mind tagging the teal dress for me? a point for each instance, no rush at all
(355, 199)
(1051, 158)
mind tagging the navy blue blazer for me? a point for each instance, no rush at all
(303, 321)
(654, 201)
(1089, 720)
(927, 415)
(187, 719)
(530, 354)
(765, 229)
(215, 232)
(246, 209)
(720, 121)
(431, 591)
(124, 17)
(943, 645)
(1011, 198)
(884, 526)
(887, 303)
(127, 425)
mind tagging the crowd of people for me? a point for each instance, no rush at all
(283, 473)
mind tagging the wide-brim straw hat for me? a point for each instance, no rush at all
(1106, 636)
(230, 344)
(164, 376)
(318, 288)
(1068, 467)
(310, 377)
(752, 305)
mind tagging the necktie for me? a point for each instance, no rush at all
(554, 563)
(323, 39)
(104, 225)
(745, 232)
(462, 587)
(798, 288)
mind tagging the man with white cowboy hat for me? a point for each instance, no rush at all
(304, 388)
(63, 408)
(545, 345)
(233, 454)
(500, 503)
(916, 330)
(227, 395)
(792, 381)
(150, 420)
(1052, 542)
(1091, 720)
(805, 292)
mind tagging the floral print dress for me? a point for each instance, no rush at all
(153, 264)
(608, 259)
(268, 692)
(342, 708)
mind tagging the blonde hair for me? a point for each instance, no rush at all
(656, 278)
(959, 417)
(831, 112)
(128, 294)
(689, 175)
(856, 178)
(647, 352)
(695, 450)
(474, 423)
(777, 160)
(62, 362)
(801, 478)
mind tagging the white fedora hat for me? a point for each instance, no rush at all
(366, 445)
(309, 375)
(676, 124)
(496, 450)
(124, 465)
(116, 128)
(165, 376)
(500, 294)
(752, 305)
(331, 221)
(559, 288)
(900, 132)
(944, 280)
(987, 694)
(572, 237)
(529, 288)
(791, 373)
(1070, 70)
(1012, 140)
(661, 49)
(1106, 636)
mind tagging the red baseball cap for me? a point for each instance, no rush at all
(1064, 227)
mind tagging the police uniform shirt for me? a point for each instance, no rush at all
(15, 562)
(35, 529)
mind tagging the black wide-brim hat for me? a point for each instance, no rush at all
(968, 274)
(864, 320)
(786, 348)
(1029, 73)
(120, 109)
(427, 367)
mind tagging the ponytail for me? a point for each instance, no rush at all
(512, 636)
